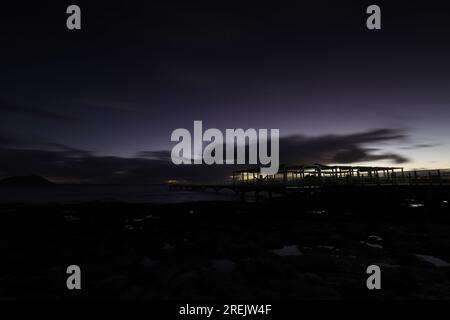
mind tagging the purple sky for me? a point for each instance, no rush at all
(137, 71)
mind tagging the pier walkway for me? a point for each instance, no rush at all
(298, 178)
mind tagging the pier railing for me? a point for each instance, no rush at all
(436, 177)
(414, 177)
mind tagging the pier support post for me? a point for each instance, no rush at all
(439, 177)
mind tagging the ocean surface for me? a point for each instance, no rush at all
(127, 193)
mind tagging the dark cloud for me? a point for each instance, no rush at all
(361, 154)
(63, 166)
(34, 112)
(7, 140)
(348, 148)
(63, 163)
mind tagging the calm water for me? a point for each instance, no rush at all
(128, 193)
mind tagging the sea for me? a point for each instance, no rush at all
(108, 193)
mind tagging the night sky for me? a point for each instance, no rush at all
(99, 104)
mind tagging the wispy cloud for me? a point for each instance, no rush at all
(115, 105)
(33, 112)
(420, 146)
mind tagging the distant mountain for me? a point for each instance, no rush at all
(26, 181)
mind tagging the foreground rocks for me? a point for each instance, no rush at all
(216, 250)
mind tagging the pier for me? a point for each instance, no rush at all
(295, 179)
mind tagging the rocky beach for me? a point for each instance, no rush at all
(314, 245)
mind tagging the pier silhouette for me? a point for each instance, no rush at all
(297, 179)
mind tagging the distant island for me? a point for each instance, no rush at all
(25, 181)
